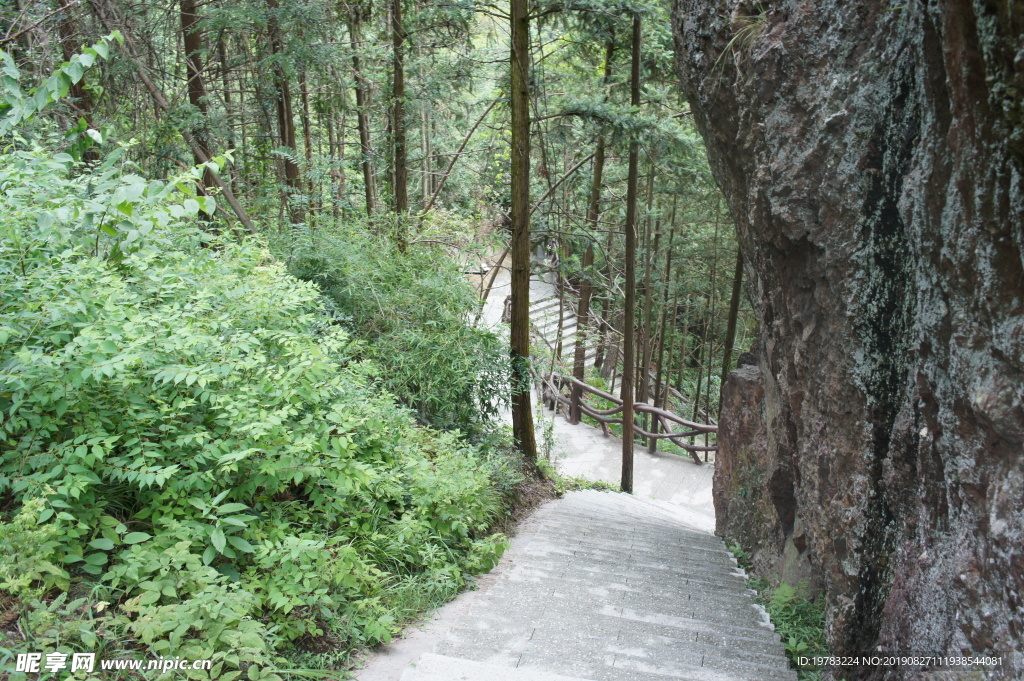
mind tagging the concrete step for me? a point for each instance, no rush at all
(433, 667)
(616, 588)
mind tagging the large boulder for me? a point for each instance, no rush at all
(872, 157)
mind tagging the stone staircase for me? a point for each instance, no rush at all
(544, 324)
(612, 587)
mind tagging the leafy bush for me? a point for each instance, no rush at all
(798, 619)
(193, 461)
(413, 312)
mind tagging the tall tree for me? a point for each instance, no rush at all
(285, 116)
(586, 286)
(192, 39)
(626, 389)
(730, 329)
(522, 411)
(362, 108)
(400, 188)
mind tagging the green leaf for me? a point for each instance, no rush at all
(45, 515)
(218, 540)
(75, 70)
(241, 544)
(149, 597)
(102, 544)
(96, 559)
(136, 537)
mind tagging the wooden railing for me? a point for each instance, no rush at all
(552, 387)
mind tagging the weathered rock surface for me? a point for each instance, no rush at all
(871, 154)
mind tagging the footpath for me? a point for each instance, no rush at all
(600, 586)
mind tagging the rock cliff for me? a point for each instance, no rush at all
(871, 155)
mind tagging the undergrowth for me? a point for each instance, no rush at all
(798, 619)
(196, 459)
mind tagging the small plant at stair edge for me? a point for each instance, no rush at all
(799, 620)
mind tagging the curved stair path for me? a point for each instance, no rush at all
(600, 586)
(612, 587)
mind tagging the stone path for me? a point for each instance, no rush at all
(612, 588)
(600, 586)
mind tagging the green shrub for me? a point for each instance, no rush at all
(413, 311)
(195, 461)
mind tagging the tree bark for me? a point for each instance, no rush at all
(362, 122)
(586, 285)
(652, 446)
(285, 115)
(626, 392)
(401, 185)
(730, 329)
(522, 412)
(69, 47)
(193, 42)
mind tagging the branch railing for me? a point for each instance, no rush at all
(552, 385)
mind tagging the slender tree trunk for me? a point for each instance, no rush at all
(681, 374)
(428, 161)
(662, 330)
(362, 121)
(522, 412)
(730, 329)
(626, 392)
(193, 41)
(586, 285)
(602, 338)
(307, 134)
(401, 188)
(285, 115)
(225, 79)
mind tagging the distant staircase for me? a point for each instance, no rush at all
(613, 588)
(544, 324)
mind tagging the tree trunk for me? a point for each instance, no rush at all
(362, 122)
(110, 20)
(428, 169)
(193, 41)
(730, 329)
(285, 115)
(69, 48)
(626, 392)
(401, 188)
(307, 134)
(662, 330)
(522, 412)
(586, 286)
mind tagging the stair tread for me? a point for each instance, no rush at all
(614, 587)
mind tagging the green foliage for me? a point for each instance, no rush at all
(192, 448)
(30, 570)
(798, 619)
(747, 28)
(741, 555)
(413, 313)
(18, 106)
(566, 483)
